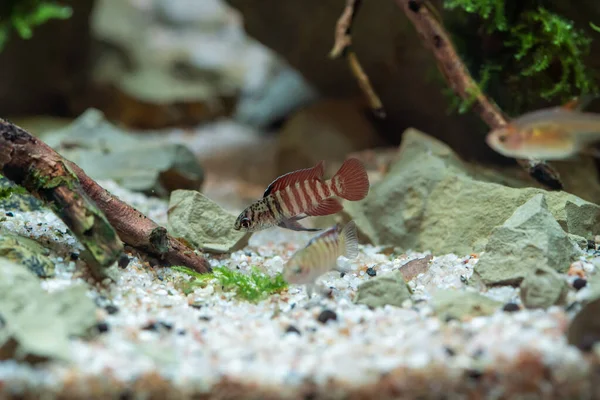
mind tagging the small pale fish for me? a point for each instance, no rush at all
(320, 255)
(550, 134)
(304, 193)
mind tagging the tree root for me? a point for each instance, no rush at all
(458, 77)
(139, 231)
(32, 164)
(97, 219)
(343, 47)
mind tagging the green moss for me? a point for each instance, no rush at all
(523, 55)
(6, 192)
(22, 16)
(252, 287)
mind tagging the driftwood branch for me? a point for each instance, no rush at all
(139, 231)
(343, 47)
(97, 218)
(458, 77)
(31, 163)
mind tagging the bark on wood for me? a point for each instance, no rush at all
(94, 215)
(31, 163)
(138, 231)
(458, 77)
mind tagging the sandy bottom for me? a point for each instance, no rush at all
(161, 343)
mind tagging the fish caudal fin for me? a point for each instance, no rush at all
(350, 240)
(351, 181)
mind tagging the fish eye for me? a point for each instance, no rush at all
(245, 222)
(502, 138)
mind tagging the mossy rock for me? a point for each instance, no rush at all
(16, 198)
(26, 252)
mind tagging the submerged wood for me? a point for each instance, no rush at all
(32, 164)
(462, 83)
(96, 217)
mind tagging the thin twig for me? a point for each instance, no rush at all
(459, 79)
(343, 47)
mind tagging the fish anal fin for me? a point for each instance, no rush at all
(291, 178)
(295, 226)
(326, 207)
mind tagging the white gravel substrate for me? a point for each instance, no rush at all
(221, 339)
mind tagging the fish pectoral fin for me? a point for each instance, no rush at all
(298, 217)
(295, 226)
(326, 207)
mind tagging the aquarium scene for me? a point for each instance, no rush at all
(299, 199)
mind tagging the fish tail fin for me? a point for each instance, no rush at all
(351, 182)
(349, 240)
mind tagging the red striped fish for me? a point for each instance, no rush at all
(299, 194)
(320, 255)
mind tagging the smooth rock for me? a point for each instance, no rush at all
(543, 287)
(389, 289)
(38, 324)
(203, 223)
(27, 252)
(461, 305)
(531, 238)
(431, 200)
(105, 152)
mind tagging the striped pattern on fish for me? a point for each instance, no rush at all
(320, 255)
(304, 192)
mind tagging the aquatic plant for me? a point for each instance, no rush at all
(253, 286)
(23, 16)
(536, 55)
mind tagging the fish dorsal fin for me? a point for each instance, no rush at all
(291, 178)
(334, 230)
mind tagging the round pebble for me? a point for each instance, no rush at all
(371, 271)
(511, 307)
(111, 309)
(292, 329)
(579, 283)
(102, 327)
(123, 261)
(326, 315)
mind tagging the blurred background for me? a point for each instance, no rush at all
(248, 88)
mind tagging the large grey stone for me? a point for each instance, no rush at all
(105, 152)
(203, 223)
(431, 200)
(38, 324)
(530, 239)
